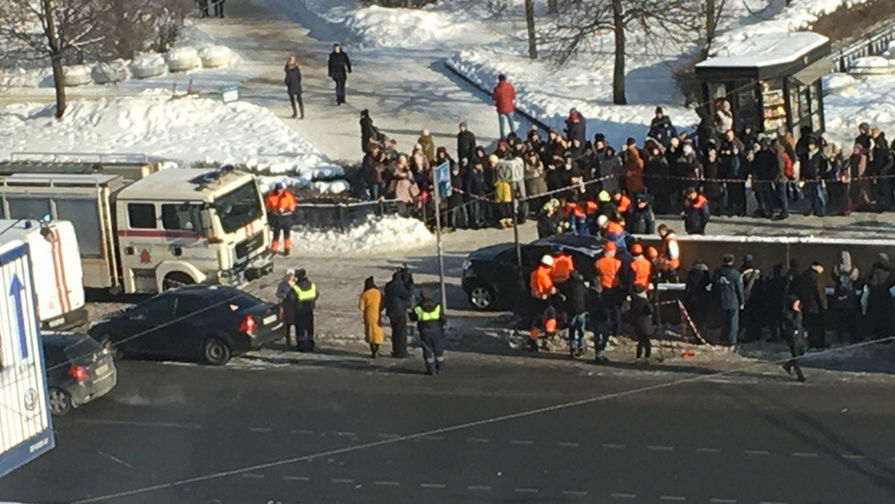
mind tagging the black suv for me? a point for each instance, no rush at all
(208, 323)
(491, 277)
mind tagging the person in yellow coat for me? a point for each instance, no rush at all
(370, 303)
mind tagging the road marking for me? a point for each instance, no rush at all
(716, 500)
(660, 448)
(623, 496)
(757, 452)
(773, 502)
(164, 425)
(432, 485)
(575, 493)
(708, 450)
(480, 488)
(804, 454)
(252, 475)
(430, 438)
(675, 498)
(341, 480)
(477, 440)
(388, 483)
(261, 429)
(852, 456)
(302, 431)
(567, 444)
(115, 459)
(346, 434)
(527, 490)
(522, 442)
(387, 436)
(613, 446)
(296, 478)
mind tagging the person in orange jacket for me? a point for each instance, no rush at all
(280, 205)
(608, 268)
(670, 253)
(577, 215)
(696, 212)
(641, 268)
(563, 265)
(540, 282)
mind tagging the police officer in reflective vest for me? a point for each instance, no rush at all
(430, 320)
(304, 296)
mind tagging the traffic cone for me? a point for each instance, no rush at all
(688, 352)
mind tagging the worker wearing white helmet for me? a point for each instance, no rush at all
(540, 281)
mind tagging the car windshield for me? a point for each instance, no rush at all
(80, 349)
(238, 207)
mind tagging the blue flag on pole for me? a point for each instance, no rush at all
(443, 180)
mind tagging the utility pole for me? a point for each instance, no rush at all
(530, 19)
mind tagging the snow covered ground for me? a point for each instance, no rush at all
(189, 129)
(378, 235)
(868, 99)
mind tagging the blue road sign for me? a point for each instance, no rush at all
(443, 180)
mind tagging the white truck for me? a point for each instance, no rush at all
(57, 269)
(144, 231)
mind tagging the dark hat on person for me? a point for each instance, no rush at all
(599, 137)
(301, 274)
(727, 259)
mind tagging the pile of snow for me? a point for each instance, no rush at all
(379, 234)
(872, 65)
(797, 15)
(182, 59)
(76, 75)
(588, 90)
(871, 99)
(837, 82)
(216, 56)
(148, 65)
(190, 129)
(113, 71)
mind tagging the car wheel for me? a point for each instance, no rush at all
(174, 280)
(60, 401)
(481, 297)
(216, 352)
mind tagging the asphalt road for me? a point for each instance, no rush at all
(333, 432)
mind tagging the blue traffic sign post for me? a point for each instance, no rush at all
(441, 176)
(26, 429)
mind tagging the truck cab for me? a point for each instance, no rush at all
(184, 226)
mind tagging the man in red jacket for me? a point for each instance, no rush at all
(504, 96)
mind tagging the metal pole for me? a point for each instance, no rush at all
(440, 250)
(516, 233)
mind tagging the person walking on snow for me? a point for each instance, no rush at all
(370, 304)
(293, 86)
(339, 67)
(504, 97)
(430, 320)
(280, 205)
(794, 334)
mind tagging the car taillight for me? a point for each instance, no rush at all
(79, 373)
(248, 324)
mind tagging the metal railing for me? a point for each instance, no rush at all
(874, 44)
(81, 157)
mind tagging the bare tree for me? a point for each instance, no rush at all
(713, 12)
(58, 30)
(532, 36)
(580, 22)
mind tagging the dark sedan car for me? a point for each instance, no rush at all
(208, 323)
(79, 370)
(491, 276)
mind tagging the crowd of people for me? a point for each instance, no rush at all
(695, 171)
(747, 304)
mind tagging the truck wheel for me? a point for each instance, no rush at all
(174, 280)
(216, 352)
(60, 401)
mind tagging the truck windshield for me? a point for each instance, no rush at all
(239, 207)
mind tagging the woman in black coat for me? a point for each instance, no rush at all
(293, 86)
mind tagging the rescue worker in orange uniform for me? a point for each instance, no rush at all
(280, 205)
(670, 254)
(577, 215)
(540, 282)
(622, 202)
(641, 268)
(612, 231)
(608, 268)
(562, 265)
